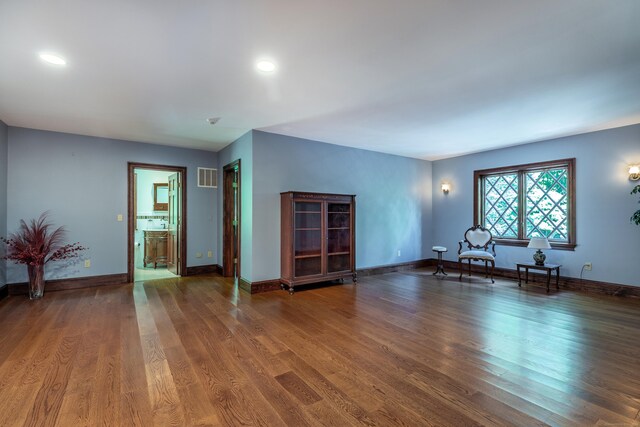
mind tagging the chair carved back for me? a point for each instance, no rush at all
(478, 237)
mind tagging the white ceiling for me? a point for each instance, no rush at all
(419, 78)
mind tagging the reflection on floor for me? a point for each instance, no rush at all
(403, 348)
(150, 273)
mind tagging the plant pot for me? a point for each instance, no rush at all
(36, 281)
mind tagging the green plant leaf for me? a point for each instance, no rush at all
(635, 218)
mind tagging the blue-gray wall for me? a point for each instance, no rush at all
(4, 144)
(83, 182)
(241, 149)
(393, 198)
(400, 206)
(605, 235)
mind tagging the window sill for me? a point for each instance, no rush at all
(525, 243)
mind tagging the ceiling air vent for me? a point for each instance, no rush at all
(207, 177)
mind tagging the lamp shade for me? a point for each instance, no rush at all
(539, 243)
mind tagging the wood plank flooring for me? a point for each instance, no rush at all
(397, 349)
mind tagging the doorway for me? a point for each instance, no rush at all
(156, 244)
(231, 220)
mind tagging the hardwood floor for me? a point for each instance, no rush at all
(397, 349)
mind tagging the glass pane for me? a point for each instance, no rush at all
(338, 207)
(308, 266)
(337, 220)
(308, 220)
(547, 204)
(501, 205)
(307, 242)
(338, 263)
(339, 240)
(338, 215)
(307, 206)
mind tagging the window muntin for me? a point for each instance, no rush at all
(534, 200)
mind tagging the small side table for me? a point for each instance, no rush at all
(546, 267)
(440, 267)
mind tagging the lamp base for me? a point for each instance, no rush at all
(539, 257)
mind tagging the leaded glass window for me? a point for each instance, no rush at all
(535, 200)
(501, 205)
(547, 204)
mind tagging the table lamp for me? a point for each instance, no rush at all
(539, 243)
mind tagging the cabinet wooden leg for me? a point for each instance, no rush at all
(355, 278)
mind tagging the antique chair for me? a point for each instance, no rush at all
(477, 239)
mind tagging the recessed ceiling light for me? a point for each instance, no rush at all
(52, 59)
(266, 66)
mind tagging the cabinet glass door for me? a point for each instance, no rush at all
(338, 237)
(307, 238)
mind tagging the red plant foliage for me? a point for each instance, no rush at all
(37, 243)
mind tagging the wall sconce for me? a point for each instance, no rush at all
(446, 188)
(634, 172)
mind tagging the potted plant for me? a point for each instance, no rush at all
(35, 244)
(636, 216)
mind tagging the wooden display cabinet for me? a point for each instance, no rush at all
(317, 241)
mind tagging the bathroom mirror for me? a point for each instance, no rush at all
(160, 196)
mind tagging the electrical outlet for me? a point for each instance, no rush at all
(119, 217)
(210, 254)
(87, 263)
(587, 266)
(398, 252)
(198, 254)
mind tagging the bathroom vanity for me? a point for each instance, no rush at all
(155, 247)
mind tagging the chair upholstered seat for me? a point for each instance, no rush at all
(477, 255)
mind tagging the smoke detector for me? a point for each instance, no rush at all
(213, 120)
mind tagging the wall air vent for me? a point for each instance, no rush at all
(207, 177)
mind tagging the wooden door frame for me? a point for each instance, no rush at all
(226, 253)
(131, 225)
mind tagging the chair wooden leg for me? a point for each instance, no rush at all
(469, 268)
(493, 264)
(486, 269)
(460, 268)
